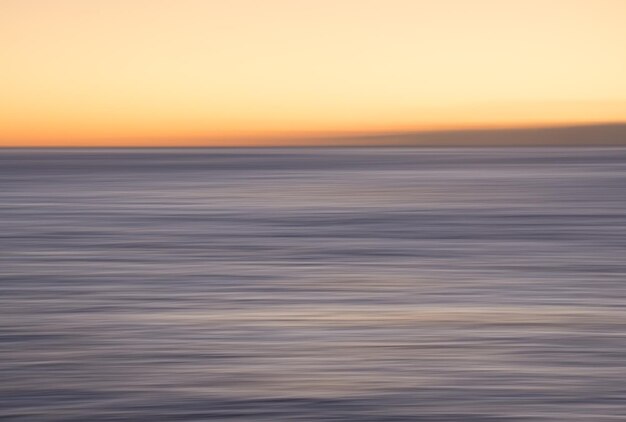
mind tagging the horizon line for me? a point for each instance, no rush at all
(403, 138)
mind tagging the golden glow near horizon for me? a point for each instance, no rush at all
(169, 72)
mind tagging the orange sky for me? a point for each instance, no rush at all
(176, 72)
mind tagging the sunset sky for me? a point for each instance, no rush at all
(233, 72)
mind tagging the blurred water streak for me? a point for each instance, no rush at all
(313, 285)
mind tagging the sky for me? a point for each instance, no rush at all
(258, 72)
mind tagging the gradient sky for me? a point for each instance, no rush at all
(182, 72)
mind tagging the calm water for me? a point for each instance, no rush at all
(313, 285)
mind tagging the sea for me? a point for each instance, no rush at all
(313, 284)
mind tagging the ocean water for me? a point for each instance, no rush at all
(313, 285)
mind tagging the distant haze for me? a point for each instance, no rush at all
(591, 135)
(262, 72)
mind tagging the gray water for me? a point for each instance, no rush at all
(313, 285)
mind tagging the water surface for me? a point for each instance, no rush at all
(313, 285)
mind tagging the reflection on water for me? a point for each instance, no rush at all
(313, 285)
